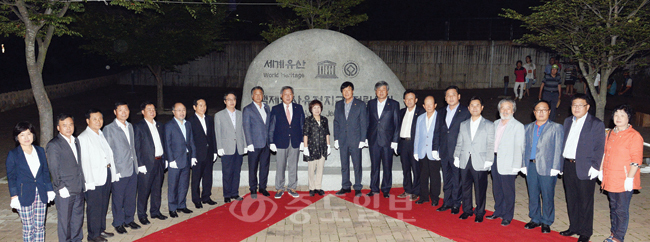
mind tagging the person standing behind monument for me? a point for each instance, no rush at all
(99, 172)
(473, 153)
(449, 119)
(285, 138)
(149, 149)
(426, 145)
(63, 158)
(584, 144)
(551, 90)
(121, 139)
(531, 74)
(316, 136)
(255, 119)
(542, 163)
(231, 145)
(206, 154)
(180, 152)
(383, 134)
(520, 80)
(509, 145)
(350, 129)
(408, 118)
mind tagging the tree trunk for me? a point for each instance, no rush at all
(38, 89)
(155, 70)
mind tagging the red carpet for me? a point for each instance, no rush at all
(235, 221)
(448, 225)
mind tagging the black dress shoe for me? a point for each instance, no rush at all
(132, 225)
(312, 193)
(184, 210)
(546, 229)
(357, 193)
(465, 216)
(370, 194)
(492, 217)
(226, 200)
(568, 232)
(238, 198)
(443, 208)
(505, 222)
(106, 234)
(386, 195)
(434, 203)
(531, 225)
(144, 220)
(159, 216)
(98, 239)
(321, 192)
(343, 191)
(478, 219)
(210, 202)
(264, 192)
(198, 205)
(120, 229)
(455, 210)
(583, 238)
(421, 201)
(173, 214)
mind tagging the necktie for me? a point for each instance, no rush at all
(288, 115)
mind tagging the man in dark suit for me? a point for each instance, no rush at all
(149, 150)
(584, 145)
(285, 138)
(255, 119)
(180, 152)
(408, 118)
(350, 127)
(63, 158)
(206, 153)
(120, 137)
(449, 119)
(383, 134)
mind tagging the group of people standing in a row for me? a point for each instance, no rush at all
(126, 160)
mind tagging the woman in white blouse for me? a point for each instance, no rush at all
(29, 182)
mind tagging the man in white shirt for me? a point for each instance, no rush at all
(256, 129)
(408, 121)
(206, 154)
(99, 172)
(426, 145)
(231, 145)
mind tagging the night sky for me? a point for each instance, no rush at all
(388, 20)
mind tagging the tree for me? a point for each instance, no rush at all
(38, 21)
(601, 35)
(158, 40)
(315, 14)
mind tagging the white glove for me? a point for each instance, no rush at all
(173, 165)
(141, 169)
(415, 156)
(593, 173)
(516, 170)
(90, 186)
(221, 152)
(194, 161)
(394, 147)
(488, 164)
(50, 196)
(251, 148)
(15, 203)
(362, 145)
(629, 184)
(555, 172)
(63, 192)
(305, 152)
(456, 162)
(336, 144)
(215, 157)
(435, 155)
(366, 144)
(524, 170)
(600, 175)
(329, 150)
(166, 164)
(302, 146)
(117, 177)
(273, 148)
(245, 150)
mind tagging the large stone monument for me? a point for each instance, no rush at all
(315, 63)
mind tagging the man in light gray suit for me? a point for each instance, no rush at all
(231, 145)
(542, 163)
(509, 144)
(473, 155)
(256, 128)
(120, 137)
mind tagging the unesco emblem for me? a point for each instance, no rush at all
(351, 69)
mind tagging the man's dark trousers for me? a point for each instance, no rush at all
(150, 185)
(540, 212)
(381, 156)
(124, 199)
(451, 186)
(179, 180)
(97, 206)
(347, 152)
(430, 173)
(259, 158)
(202, 171)
(472, 178)
(410, 167)
(231, 168)
(70, 212)
(580, 200)
(503, 188)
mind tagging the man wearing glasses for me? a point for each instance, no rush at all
(542, 163)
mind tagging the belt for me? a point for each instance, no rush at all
(571, 160)
(158, 158)
(552, 91)
(533, 160)
(402, 138)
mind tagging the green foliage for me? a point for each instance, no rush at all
(14, 15)
(320, 14)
